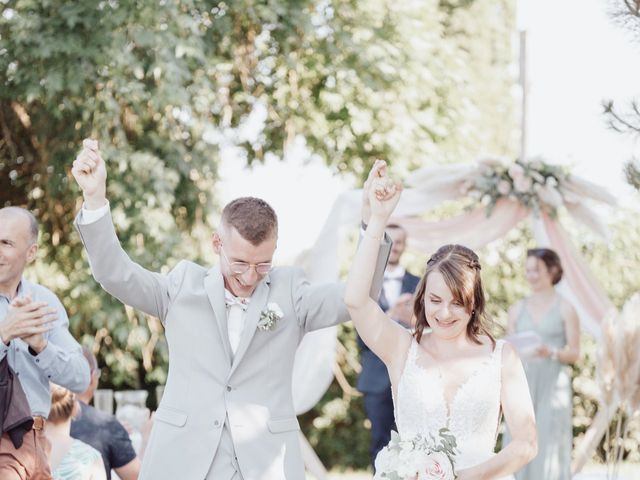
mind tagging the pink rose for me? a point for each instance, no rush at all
(437, 467)
(523, 184)
(504, 188)
(516, 171)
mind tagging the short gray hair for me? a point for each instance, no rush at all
(33, 222)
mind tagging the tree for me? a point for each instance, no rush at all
(165, 85)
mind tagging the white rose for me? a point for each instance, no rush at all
(504, 187)
(537, 176)
(550, 196)
(551, 182)
(385, 461)
(522, 184)
(275, 308)
(516, 171)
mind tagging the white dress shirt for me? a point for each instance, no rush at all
(392, 284)
(236, 317)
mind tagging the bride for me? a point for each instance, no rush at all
(450, 372)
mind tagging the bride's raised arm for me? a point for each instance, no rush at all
(383, 336)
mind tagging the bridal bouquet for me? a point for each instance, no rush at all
(419, 458)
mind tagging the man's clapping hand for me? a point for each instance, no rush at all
(29, 321)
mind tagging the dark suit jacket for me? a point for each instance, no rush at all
(374, 377)
(14, 408)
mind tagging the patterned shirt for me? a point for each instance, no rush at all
(77, 463)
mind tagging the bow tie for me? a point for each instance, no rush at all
(230, 300)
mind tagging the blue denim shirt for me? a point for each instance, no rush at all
(61, 362)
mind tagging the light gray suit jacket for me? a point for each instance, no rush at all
(204, 386)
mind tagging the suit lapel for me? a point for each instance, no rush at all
(214, 286)
(256, 305)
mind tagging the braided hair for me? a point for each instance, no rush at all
(460, 268)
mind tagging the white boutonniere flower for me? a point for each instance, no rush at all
(269, 316)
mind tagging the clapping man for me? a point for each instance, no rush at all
(35, 339)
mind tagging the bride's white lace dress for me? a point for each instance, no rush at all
(472, 417)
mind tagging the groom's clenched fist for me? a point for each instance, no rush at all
(90, 173)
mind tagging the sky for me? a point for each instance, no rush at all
(577, 57)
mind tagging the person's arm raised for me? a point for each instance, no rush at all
(110, 265)
(380, 333)
(91, 175)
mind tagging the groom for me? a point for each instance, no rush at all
(227, 409)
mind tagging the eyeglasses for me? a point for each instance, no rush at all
(241, 267)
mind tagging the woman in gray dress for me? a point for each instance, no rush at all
(554, 319)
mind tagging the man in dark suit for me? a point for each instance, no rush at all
(396, 298)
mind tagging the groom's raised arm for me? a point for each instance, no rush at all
(110, 265)
(320, 306)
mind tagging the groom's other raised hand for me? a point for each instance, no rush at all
(91, 174)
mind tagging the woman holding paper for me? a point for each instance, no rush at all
(552, 321)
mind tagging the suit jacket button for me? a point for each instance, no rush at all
(216, 423)
(228, 388)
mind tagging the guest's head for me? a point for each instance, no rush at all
(543, 268)
(87, 395)
(18, 246)
(246, 241)
(450, 298)
(63, 405)
(398, 236)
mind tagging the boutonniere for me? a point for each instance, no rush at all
(269, 316)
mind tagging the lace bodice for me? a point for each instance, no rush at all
(473, 416)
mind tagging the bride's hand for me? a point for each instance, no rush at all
(384, 195)
(378, 170)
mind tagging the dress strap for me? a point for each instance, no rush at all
(413, 349)
(497, 351)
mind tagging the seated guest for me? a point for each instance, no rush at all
(103, 431)
(71, 459)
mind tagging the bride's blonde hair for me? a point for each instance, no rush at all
(460, 269)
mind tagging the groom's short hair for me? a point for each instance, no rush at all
(252, 217)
